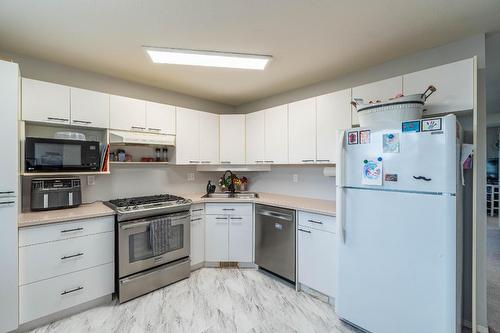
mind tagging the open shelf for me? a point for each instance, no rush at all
(77, 173)
(138, 163)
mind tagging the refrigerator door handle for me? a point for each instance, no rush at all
(340, 213)
(340, 159)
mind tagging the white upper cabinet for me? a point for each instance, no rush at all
(302, 131)
(45, 102)
(209, 137)
(89, 108)
(333, 112)
(187, 147)
(255, 137)
(160, 118)
(380, 90)
(127, 114)
(232, 139)
(454, 83)
(276, 135)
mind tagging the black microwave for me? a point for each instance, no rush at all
(55, 155)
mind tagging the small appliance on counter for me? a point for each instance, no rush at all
(55, 193)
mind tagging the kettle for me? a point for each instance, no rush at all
(210, 187)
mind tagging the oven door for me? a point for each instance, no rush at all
(135, 253)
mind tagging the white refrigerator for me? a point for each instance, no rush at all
(9, 180)
(399, 212)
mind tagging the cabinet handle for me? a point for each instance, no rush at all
(304, 230)
(138, 127)
(322, 160)
(317, 222)
(307, 161)
(221, 218)
(193, 162)
(72, 256)
(269, 161)
(236, 218)
(225, 162)
(206, 162)
(71, 230)
(230, 209)
(154, 129)
(71, 290)
(197, 219)
(6, 192)
(57, 119)
(197, 210)
(82, 121)
(7, 202)
(259, 161)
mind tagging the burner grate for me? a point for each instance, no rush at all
(144, 200)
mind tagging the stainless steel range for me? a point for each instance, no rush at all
(153, 243)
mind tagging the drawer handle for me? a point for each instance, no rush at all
(71, 291)
(154, 129)
(7, 202)
(6, 192)
(322, 160)
(197, 210)
(138, 127)
(231, 209)
(304, 230)
(193, 220)
(306, 161)
(317, 222)
(194, 162)
(71, 230)
(221, 218)
(82, 121)
(72, 256)
(236, 218)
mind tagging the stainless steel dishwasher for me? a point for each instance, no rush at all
(275, 240)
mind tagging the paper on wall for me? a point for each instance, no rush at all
(372, 171)
(467, 150)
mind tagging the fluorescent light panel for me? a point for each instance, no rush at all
(207, 58)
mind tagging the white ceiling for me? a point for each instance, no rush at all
(310, 40)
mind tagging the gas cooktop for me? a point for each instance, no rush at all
(145, 206)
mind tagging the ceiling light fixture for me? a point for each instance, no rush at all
(162, 55)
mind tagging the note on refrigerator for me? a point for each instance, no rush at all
(372, 171)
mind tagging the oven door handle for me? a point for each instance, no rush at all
(143, 223)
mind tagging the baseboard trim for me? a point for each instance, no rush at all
(316, 294)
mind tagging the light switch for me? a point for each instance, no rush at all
(295, 178)
(90, 180)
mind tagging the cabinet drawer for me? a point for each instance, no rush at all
(317, 221)
(65, 230)
(198, 209)
(46, 297)
(229, 209)
(47, 260)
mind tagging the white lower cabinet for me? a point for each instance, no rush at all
(197, 235)
(49, 296)
(62, 265)
(317, 259)
(216, 237)
(229, 234)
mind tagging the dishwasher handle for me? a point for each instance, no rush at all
(286, 217)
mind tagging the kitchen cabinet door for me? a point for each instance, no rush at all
(45, 102)
(240, 238)
(187, 147)
(89, 108)
(302, 131)
(333, 112)
(160, 118)
(197, 239)
(209, 138)
(379, 90)
(216, 238)
(454, 83)
(255, 137)
(127, 114)
(276, 134)
(232, 139)
(317, 259)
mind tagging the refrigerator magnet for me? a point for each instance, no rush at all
(390, 143)
(372, 171)
(364, 137)
(429, 125)
(411, 126)
(352, 138)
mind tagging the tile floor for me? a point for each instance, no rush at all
(211, 300)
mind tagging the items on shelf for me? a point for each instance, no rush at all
(156, 155)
